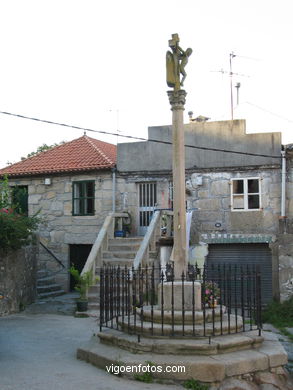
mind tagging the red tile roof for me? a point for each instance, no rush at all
(82, 154)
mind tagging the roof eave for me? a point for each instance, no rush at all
(56, 171)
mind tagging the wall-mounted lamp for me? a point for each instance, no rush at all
(47, 181)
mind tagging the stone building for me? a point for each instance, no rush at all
(234, 188)
(241, 202)
(70, 186)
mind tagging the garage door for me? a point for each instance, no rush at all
(245, 254)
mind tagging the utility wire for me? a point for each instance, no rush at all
(137, 138)
(270, 112)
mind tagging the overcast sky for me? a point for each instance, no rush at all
(101, 65)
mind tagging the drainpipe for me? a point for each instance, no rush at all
(114, 190)
(283, 188)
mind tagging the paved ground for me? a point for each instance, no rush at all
(38, 348)
(37, 352)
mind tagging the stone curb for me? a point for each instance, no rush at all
(218, 345)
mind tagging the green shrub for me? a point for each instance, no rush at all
(279, 314)
(146, 377)
(195, 385)
(15, 229)
(82, 281)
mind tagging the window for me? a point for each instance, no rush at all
(83, 197)
(246, 194)
(19, 197)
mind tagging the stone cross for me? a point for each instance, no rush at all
(176, 61)
(177, 100)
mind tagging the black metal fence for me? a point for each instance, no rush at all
(135, 301)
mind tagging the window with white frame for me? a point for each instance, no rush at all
(245, 194)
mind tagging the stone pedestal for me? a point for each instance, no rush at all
(180, 294)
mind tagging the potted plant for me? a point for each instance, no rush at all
(82, 284)
(211, 294)
(123, 227)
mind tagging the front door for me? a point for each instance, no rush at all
(78, 257)
(147, 195)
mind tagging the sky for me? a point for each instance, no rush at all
(100, 64)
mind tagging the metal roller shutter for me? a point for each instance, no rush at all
(245, 254)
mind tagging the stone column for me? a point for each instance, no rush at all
(177, 101)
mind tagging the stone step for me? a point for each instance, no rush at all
(203, 346)
(124, 247)
(270, 355)
(94, 289)
(48, 288)
(155, 315)
(118, 254)
(122, 240)
(93, 297)
(60, 304)
(42, 273)
(117, 261)
(89, 313)
(94, 306)
(45, 280)
(150, 329)
(50, 294)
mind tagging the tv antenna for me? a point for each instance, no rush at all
(232, 55)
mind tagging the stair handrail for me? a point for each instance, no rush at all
(94, 259)
(51, 253)
(150, 236)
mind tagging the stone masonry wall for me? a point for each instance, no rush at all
(60, 228)
(214, 221)
(210, 199)
(127, 195)
(286, 240)
(17, 279)
(212, 203)
(213, 218)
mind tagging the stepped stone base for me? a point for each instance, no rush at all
(183, 346)
(154, 314)
(244, 358)
(155, 328)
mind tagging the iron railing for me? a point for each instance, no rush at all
(135, 301)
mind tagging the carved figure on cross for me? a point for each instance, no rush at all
(176, 61)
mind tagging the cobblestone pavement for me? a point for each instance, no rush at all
(37, 352)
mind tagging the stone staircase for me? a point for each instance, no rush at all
(46, 285)
(51, 298)
(121, 251)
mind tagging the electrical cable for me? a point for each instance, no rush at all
(270, 112)
(136, 138)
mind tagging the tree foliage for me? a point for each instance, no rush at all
(42, 148)
(15, 228)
